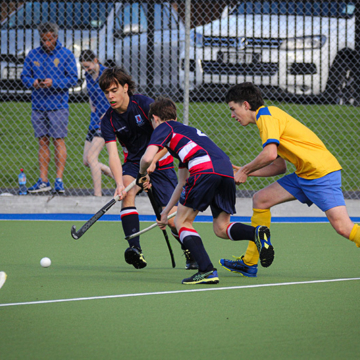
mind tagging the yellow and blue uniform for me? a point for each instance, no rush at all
(317, 178)
(296, 143)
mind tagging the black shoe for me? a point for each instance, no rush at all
(135, 257)
(263, 244)
(209, 277)
(191, 263)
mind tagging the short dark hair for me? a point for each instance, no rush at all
(109, 63)
(47, 27)
(116, 75)
(164, 108)
(246, 91)
(87, 55)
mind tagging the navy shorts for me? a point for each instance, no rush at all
(202, 190)
(324, 192)
(163, 181)
(93, 133)
(50, 123)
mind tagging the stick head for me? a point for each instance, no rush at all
(73, 232)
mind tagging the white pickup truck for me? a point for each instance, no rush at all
(300, 47)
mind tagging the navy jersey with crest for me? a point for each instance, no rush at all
(133, 129)
(194, 149)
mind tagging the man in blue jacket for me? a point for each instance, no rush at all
(50, 70)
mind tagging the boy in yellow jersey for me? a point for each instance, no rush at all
(317, 179)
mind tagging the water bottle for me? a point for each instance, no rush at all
(22, 183)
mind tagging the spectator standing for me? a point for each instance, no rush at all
(50, 70)
(94, 141)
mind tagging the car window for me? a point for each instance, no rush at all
(302, 8)
(134, 16)
(131, 17)
(68, 15)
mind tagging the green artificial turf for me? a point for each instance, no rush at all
(318, 320)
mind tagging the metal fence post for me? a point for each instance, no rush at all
(187, 61)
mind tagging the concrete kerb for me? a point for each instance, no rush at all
(91, 204)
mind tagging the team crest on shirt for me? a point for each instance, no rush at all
(139, 120)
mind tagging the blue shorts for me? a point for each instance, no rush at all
(202, 190)
(50, 123)
(163, 181)
(324, 192)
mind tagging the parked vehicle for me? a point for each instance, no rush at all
(303, 48)
(116, 32)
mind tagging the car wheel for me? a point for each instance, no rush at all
(340, 87)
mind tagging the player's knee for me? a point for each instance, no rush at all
(260, 201)
(220, 231)
(340, 228)
(171, 224)
(257, 200)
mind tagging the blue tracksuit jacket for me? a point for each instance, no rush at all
(60, 66)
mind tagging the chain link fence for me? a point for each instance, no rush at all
(303, 55)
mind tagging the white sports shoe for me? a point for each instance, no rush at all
(2, 278)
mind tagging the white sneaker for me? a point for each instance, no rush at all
(2, 278)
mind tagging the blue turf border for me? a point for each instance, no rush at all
(199, 218)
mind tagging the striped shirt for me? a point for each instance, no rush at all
(194, 149)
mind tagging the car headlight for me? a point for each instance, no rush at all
(196, 39)
(303, 42)
(76, 48)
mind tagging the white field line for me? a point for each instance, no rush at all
(175, 292)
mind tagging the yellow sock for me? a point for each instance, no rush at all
(355, 235)
(260, 217)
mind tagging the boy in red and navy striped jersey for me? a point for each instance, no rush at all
(205, 179)
(127, 121)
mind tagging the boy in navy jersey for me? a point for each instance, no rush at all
(127, 120)
(205, 178)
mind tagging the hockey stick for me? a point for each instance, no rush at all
(147, 229)
(78, 234)
(158, 216)
(2, 278)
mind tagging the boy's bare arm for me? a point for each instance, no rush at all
(157, 157)
(148, 158)
(265, 158)
(115, 167)
(183, 174)
(277, 167)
